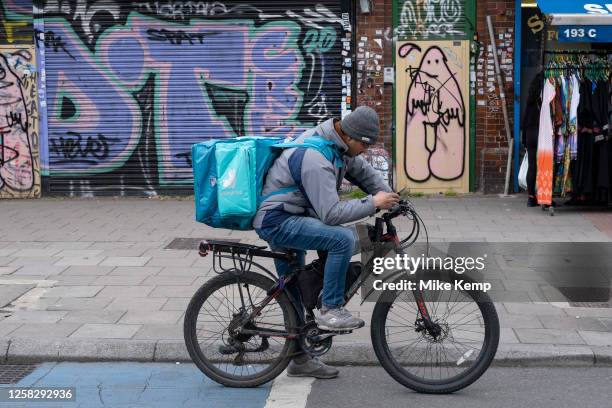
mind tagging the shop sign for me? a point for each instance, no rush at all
(575, 7)
(587, 33)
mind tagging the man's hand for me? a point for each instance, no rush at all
(385, 201)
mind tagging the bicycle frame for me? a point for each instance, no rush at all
(276, 290)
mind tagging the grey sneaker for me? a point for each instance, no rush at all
(337, 319)
(311, 368)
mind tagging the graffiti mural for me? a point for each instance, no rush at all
(425, 19)
(19, 160)
(431, 85)
(130, 87)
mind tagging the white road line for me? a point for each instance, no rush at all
(289, 392)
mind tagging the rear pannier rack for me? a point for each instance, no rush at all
(241, 255)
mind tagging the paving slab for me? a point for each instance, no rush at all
(596, 338)
(35, 316)
(93, 316)
(173, 291)
(125, 261)
(10, 292)
(126, 291)
(74, 280)
(167, 280)
(36, 252)
(8, 328)
(160, 332)
(151, 317)
(39, 270)
(572, 323)
(137, 304)
(50, 330)
(7, 270)
(549, 336)
(97, 303)
(172, 261)
(73, 291)
(119, 280)
(106, 331)
(70, 245)
(87, 270)
(133, 270)
(80, 253)
(533, 309)
(79, 261)
(177, 304)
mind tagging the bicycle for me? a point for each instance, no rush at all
(241, 327)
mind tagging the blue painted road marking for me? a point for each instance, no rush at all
(135, 385)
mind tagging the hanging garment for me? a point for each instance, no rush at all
(573, 118)
(544, 178)
(566, 180)
(561, 118)
(557, 114)
(583, 173)
(531, 118)
(601, 169)
(531, 124)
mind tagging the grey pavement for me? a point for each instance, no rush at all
(93, 280)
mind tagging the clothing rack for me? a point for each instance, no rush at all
(581, 52)
(581, 62)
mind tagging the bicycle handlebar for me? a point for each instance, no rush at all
(402, 208)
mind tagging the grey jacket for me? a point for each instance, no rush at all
(320, 180)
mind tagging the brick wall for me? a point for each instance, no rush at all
(491, 144)
(377, 25)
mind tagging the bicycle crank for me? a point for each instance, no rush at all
(315, 341)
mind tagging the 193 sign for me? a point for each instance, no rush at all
(587, 33)
(580, 33)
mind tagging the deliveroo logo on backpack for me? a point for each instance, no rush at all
(230, 180)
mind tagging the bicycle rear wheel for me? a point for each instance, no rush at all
(453, 360)
(238, 359)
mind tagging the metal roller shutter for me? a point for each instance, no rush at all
(131, 86)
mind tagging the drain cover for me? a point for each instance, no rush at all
(602, 295)
(191, 243)
(13, 373)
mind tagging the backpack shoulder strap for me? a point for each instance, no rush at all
(327, 148)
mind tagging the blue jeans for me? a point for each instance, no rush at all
(303, 233)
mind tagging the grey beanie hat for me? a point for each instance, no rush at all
(362, 124)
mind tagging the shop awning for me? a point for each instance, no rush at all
(577, 13)
(588, 7)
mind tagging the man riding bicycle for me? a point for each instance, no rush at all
(309, 217)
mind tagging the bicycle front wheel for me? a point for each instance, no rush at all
(245, 358)
(452, 360)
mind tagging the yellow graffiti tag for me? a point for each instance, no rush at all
(12, 28)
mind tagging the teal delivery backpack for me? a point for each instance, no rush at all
(228, 176)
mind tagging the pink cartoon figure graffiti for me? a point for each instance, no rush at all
(435, 118)
(16, 167)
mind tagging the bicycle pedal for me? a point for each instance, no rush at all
(340, 332)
